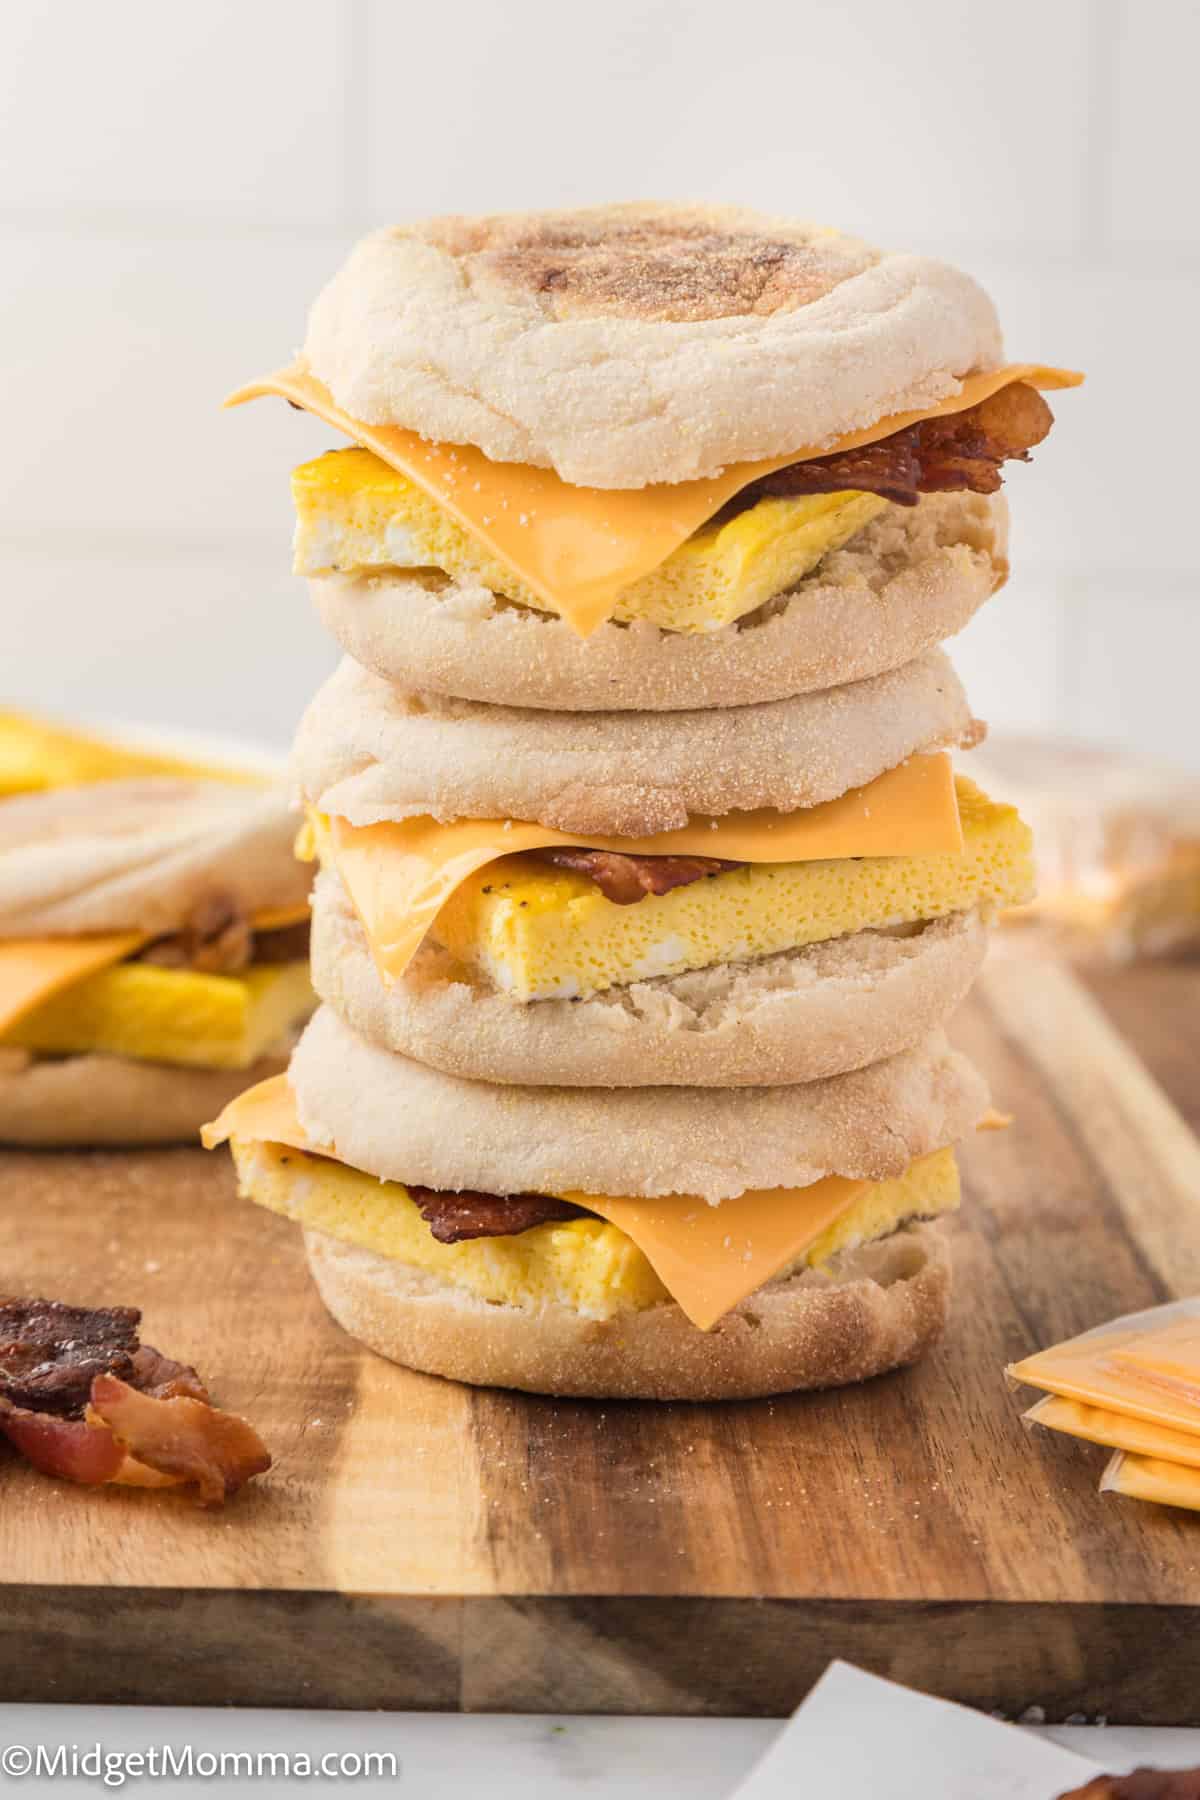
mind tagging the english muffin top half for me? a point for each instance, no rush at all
(651, 457)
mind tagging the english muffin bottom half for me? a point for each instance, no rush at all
(654, 1243)
(784, 599)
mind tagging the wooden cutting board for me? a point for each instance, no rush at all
(424, 1545)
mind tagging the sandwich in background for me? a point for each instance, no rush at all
(153, 956)
(1118, 850)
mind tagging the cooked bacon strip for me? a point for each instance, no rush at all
(958, 450)
(215, 939)
(455, 1217)
(66, 1447)
(288, 944)
(164, 1379)
(626, 879)
(81, 1398)
(51, 1353)
(181, 1437)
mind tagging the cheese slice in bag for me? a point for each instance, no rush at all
(1151, 1478)
(1151, 1375)
(1116, 1431)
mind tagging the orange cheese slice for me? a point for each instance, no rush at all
(32, 970)
(578, 547)
(1118, 1431)
(1150, 1478)
(1152, 1375)
(709, 1258)
(400, 875)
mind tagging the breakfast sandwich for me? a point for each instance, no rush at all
(653, 1243)
(646, 881)
(648, 457)
(747, 896)
(153, 956)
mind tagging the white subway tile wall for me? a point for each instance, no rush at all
(176, 183)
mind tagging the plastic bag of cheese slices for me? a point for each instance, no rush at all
(1132, 1385)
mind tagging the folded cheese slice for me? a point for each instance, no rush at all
(32, 970)
(709, 1258)
(400, 875)
(1152, 1375)
(577, 547)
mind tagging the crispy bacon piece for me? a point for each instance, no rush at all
(66, 1447)
(216, 939)
(455, 1217)
(161, 1377)
(958, 450)
(219, 941)
(81, 1398)
(626, 879)
(1142, 1784)
(181, 1437)
(50, 1353)
(288, 944)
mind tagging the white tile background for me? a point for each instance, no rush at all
(176, 182)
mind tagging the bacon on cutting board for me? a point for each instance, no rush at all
(82, 1399)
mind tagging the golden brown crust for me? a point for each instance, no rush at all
(906, 582)
(645, 343)
(882, 1306)
(86, 1101)
(794, 1017)
(682, 264)
(370, 752)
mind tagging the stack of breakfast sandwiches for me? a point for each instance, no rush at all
(647, 884)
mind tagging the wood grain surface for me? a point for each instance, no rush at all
(420, 1544)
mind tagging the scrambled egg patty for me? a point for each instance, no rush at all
(355, 512)
(179, 1016)
(585, 1264)
(538, 932)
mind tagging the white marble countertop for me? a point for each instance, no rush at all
(455, 1756)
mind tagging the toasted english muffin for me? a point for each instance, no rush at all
(876, 1308)
(907, 581)
(402, 1121)
(369, 751)
(793, 1017)
(642, 343)
(56, 1103)
(136, 854)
